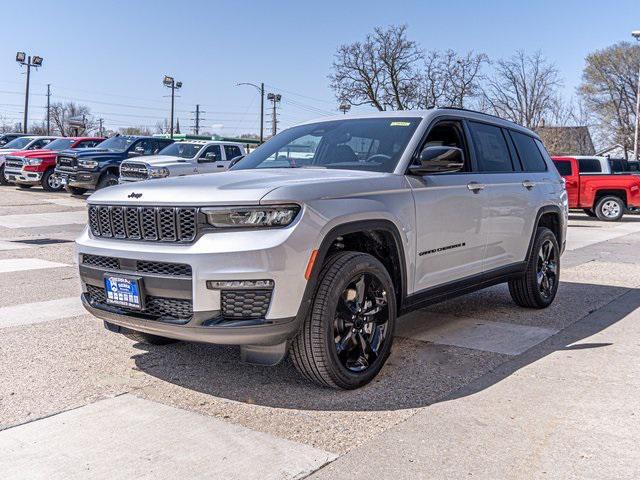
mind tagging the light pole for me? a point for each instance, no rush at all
(261, 90)
(171, 83)
(275, 100)
(344, 108)
(636, 35)
(29, 62)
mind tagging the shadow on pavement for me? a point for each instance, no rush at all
(416, 375)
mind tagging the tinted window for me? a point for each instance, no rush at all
(528, 152)
(60, 144)
(117, 144)
(182, 149)
(633, 166)
(563, 166)
(491, 148)
(331, 144)
(231, 151)
(19, 143)
(213, 153)
(38, 144)
(616, 165)
(588, 165)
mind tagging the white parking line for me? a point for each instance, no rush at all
(497, 337)
(128, 437)
(19, 264)
(38, 312)
(31, 220)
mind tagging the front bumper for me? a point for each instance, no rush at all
(279, 255)
(78, 179)
(22, 177)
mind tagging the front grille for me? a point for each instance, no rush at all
(137, 171)
(245, 303)
(140, 266)
(67, 163)
(15, 163)
(165, 224)
(157, 307)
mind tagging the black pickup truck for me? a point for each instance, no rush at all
(95, 168)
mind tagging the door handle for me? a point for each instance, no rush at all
(219, 166)
(528, 184)
(476, 187)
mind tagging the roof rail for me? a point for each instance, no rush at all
(471, 110)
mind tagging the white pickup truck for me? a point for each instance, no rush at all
(187, 157)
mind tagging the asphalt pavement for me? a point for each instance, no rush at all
(474, 387)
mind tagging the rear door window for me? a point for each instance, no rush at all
(564, 167)
(589, 165)
(491, 148)
(231, 151)
(530, 156)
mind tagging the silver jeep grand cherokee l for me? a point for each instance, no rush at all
(315, 242)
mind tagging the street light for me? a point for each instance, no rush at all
(344, 107)
(170, 82)
(636, 34)
(275, 100)
(27, 61)
(261, 90)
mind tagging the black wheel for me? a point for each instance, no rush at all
(3, 181)
(347, 336)
(51, 182)
(610, 209)
(589, 212)
(107, 180)
(24, 186)
(538, 286)
(75, 190)
(148, 338)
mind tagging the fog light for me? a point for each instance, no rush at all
(239, 284)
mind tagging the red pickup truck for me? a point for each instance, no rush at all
(32, 167)
(604, 196)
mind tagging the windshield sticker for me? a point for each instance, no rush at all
(400, 124)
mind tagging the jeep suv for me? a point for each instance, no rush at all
(315, 242)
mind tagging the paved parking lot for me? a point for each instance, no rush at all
(462, 393)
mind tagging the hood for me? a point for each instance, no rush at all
(244, 187)
(89, 152)
(34, 153)
(160, 160)
(7, 151)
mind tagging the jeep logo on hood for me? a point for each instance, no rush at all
(134, 195)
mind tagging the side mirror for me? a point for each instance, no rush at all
(136, 152)
(439, 160)
(235, 160)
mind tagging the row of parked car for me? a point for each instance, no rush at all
(80, 164)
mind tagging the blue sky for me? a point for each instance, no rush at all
(113, 58)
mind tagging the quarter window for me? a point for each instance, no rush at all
(528, 152)
(231, 151)
(564, 167)
(491, 148)
(589, 165)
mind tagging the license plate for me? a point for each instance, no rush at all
(123, 291)
(63, 180)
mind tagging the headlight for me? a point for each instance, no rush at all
(87, 163)
(159, 172)
(243, 217)
(33, 161)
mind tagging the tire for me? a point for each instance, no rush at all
(314, 351)
(107, 180)
(50, 182)
(75, 190)
(589, 212)
(528, 291)
(24, 186)
(148, 338)
(3, 181)
(610, 209)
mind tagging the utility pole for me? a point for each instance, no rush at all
(173, 85)
(22, 59)
(197, 120)
(275, 100)
(261, 90)
(636, 153)
(48, 109)
(100, 121)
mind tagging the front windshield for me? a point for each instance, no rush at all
(117, 144)
(371, 144)
(19, 143)
(60, 144)
(184, 150)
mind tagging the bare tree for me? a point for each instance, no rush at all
(62, 113)
(523, 88)
(609, 86)
(162, 126)
(379, 72)
(142, 130)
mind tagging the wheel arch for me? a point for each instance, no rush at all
(549, 216)
(606, 192)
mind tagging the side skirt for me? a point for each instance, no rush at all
(450, 290)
